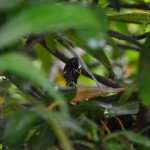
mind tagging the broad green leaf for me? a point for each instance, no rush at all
(97, 53)
(105, 109)
(139, 18)
(103, 3)
(8, 4)
(45, 58)
(46, 18)
(127, 93)
(116, 109)
(36, 140)
(112, 42)
(70, 125)
(8, 109)
(138, 139)
(18, 127)
(59, 131)
(88, 107)
(22, 65)
(113, 146)
(89, 126)
(144, 74)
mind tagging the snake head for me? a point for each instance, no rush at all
(72, 71)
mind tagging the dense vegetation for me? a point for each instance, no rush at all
(110, 107)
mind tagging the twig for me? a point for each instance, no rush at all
(57, 53)
(30, 90)
(95, 1)
(70, 48)
(123, 46)
(101, 79)
(124, 37)
(141, 36)
(144, 6)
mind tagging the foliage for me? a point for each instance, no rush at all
(111, 40)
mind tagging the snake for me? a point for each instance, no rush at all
(72, 71)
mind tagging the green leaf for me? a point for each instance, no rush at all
(45, 58)
(113, 146)
(138, 139)
(139, 18)
(89, 126)
(104, 3)
(127, 93)
(116, 109)
(70, 125)
(46, 18)
(7, 4)
(112, 42)
(18, 127)
(88, 107)
(97, 53)
(22, 65)
(144, 74)
(8, 109)
(36, 140)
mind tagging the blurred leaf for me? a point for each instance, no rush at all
(87, 93)
(144, 74)
(140, 18)
(7, 4)
(116, 109)
(88, 107)
(127, 93)
(112, 42)
(36, 140)
(102, 109)
(69, 93)
(1, 100)
(45, 58)
(97, 53)
(103, 3)
(22, 66)
(59, 131)
(89, 126)
(70, 125)
(114, 146)
(46, 18)
(18, 127)
(8, 109)
(138, 139)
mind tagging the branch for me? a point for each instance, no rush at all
(101, 79)
(123, 46)
(95, 1)
(124, 37)
(57, 53)
(141, 36)
(144, 6)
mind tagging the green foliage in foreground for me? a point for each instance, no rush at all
(36, 112)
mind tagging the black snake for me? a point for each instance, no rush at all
(72, 71)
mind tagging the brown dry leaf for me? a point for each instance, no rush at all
(87, 93)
